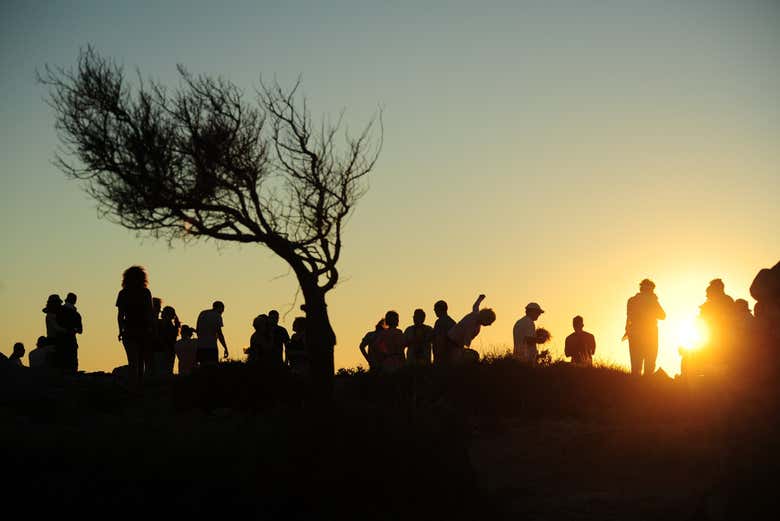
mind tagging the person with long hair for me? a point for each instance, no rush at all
(135, 318)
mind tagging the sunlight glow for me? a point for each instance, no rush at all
(690, 332)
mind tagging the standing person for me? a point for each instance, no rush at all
(368, 345)
(296, 355)
(186, 350)
(580, 345)
(70, 319)
(442, 326)
(279, 338)
(524, 334)
(465, 331)
(643, 311)
(55, 332)
(135, 317)
(389, 344)
(209, 328)
(418, 339)
(261, 342)
(167, 332)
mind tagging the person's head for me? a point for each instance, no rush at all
(487, 316)
(219, 307)
(135, 277)
(646, 286)
(71, 298)
(742, 306)
(716, 288)
(533, 310)
(41, 342)
(440, 309)
(260, 323)
(299, 324)
(380, 325)
(391, 319)
(157, 305)
(18, 351)
(273, 316)
(168, 313)
(419, 317)
(53, 303)
(578, 323)
(186, 332)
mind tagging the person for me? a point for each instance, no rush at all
(367, 345)
(186, 349)
(135, 319)
(643, 311)
(17, 355)
(70, 319)
(296, 355)
(524, 334)
(718, 312)
(279, 338)
(442, 326)
(168, 326)
(418, 339)
(466, 330)
(55, 332)
(261, 342)
(389, 344)
(743, 319)
(42, 356)
(580, 346)
(209, 329)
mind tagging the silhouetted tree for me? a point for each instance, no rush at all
(199, 161)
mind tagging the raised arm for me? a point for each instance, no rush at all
(479, 300)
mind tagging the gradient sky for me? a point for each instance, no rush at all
(556, 152)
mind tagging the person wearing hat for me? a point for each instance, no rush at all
(524, 334)
(643, 311)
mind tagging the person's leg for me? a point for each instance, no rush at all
(651, 355)
(635, 353)
(134, 362)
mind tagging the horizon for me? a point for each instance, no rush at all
(557, 154)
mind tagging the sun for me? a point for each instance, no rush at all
(689, 332)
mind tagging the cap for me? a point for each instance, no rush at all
(534, 306)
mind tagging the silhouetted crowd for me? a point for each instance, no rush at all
(153, 336)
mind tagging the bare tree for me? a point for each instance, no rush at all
(201, 162)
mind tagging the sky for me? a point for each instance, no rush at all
(556, 152)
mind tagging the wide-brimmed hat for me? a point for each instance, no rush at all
(534, 306)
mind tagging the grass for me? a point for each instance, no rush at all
(496, 438)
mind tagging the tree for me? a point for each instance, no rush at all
(200, 162)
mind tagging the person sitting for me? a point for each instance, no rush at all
(261, 343)
(464, 332)
(418, 339)
(186, 349)
(42, 356)
(16, 356)
(580, 345)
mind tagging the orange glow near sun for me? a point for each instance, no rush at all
(689, 332)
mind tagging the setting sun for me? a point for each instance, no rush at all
(689, 332)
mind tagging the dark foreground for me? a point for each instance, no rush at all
(493, 441)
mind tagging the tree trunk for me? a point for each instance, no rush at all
(320, 339)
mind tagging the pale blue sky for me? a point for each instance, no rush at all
(548, 151)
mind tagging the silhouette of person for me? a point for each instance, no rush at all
(297, 357)
(135, 318)
(390, 344)
(70, 319)
(260, 350)
(418, 339)
(167, 332)
(42, 356)
(186, 350)
(580, 345)
(442, 345)
(17, 355)
(718, 313)
(279, 338)
(368, 345)
(55, 332)
(524, 334)
(467, 329)
(643, 311)
(209, 329)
